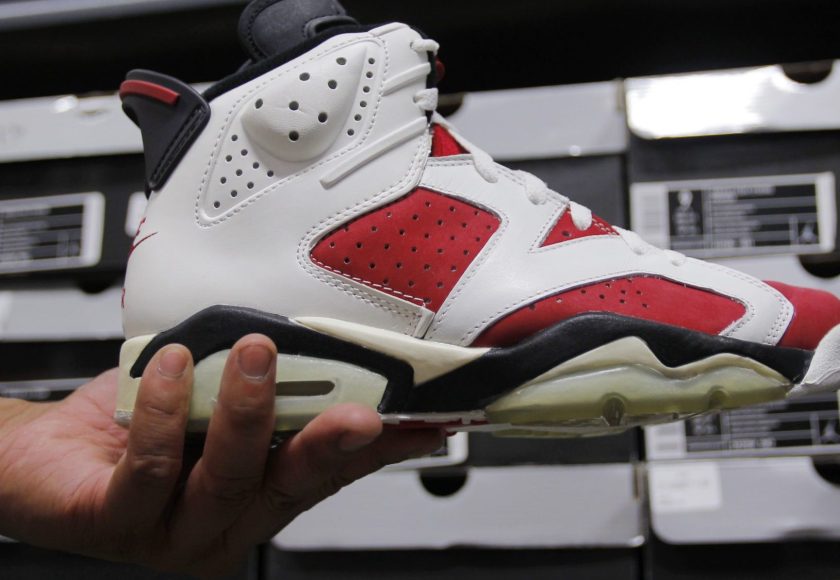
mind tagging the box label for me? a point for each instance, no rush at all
(51, 233)
(685, 487)
(736, 217)
(806, 425)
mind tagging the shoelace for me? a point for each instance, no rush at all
(536, 189)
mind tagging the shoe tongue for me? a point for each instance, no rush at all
(270, 27)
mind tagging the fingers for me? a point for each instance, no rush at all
(230, 473)
(339, 446)
(145, 478)
(395, 445)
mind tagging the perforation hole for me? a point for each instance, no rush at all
(258, 104)
(387, 246)
(374, 229)
(399, 265)
(294, 105)
(223, 180)
(346, 260)
(239, 173)
(366, 90)
(341, 60)
(363, 104)
(413, 249)
(229, 158)
(270, 173)
(244, 152)
(369, 75)
(250, 185)
(304, 76)
(234, 137)
(372, 60)
(294, 136)
(332, 84)
(427, 267)
(411, 283)
(372, 266)
(256, 165)
(322, 117)
(439, 284)
(440, 251)
(234, 193)
(350, 132)
(358, 117)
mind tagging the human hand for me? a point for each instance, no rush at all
(72, 479)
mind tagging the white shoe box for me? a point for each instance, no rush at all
(497, 507)
(749, 475)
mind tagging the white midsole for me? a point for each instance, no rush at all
(567, 398)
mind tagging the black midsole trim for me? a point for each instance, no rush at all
(219, 327)
(480, 382)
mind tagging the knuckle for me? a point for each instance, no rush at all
(248, 417)
(279, 501)
(154, 469)
(162, 411)
(231, 491)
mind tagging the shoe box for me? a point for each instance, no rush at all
(571, 507)
(71, 180)
(740, 167)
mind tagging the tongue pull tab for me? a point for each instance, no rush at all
(270, 27)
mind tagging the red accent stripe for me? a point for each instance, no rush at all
(645, 297)
(150, 90)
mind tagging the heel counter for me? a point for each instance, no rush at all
(170, 114)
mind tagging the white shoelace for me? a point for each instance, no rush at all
(536, 189)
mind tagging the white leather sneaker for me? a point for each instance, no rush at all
(315, 197)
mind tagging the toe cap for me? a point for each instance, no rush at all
(815, 313)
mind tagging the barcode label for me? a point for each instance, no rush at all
(51, 233)
(716, 218)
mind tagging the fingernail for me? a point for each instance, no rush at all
(173, 363)
(255, 362)
(355, 441)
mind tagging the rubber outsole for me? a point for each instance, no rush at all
(603, 390)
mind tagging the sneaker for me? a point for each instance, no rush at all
(314, 196)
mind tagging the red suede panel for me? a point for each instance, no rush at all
(416, 248)
(649, 298)
(815, 313)
(565, 230)
(444, 144)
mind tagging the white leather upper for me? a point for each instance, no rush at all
(291, 155)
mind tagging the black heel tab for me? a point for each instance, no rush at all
(171, 116)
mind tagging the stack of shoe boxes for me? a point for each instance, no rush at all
(70, 181)
(574, 504)
(740, 167)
